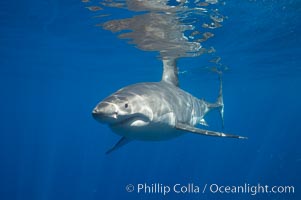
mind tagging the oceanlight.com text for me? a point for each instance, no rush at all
(250, 189)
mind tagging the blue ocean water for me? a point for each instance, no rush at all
(56, 65)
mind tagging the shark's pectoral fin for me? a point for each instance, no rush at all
(123, 141)
(188, 128)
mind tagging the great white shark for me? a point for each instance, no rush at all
(153, 111)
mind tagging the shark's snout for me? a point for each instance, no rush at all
(105, 112)
(97, 113)
(94, 111)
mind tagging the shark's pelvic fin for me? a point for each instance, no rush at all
(123, 141)
(170, 71)
(188, 128)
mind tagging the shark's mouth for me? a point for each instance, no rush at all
(131, 121)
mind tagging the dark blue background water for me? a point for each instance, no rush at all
(55, 65)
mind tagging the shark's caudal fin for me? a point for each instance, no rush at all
(220, 101)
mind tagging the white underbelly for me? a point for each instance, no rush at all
(150, 132)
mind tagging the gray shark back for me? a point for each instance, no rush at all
(165, 98)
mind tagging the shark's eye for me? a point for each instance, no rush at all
(126, 105)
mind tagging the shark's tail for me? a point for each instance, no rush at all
(220, 101)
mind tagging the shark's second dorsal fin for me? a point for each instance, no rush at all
(170, 71)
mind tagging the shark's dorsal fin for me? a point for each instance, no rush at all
(170, 71)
